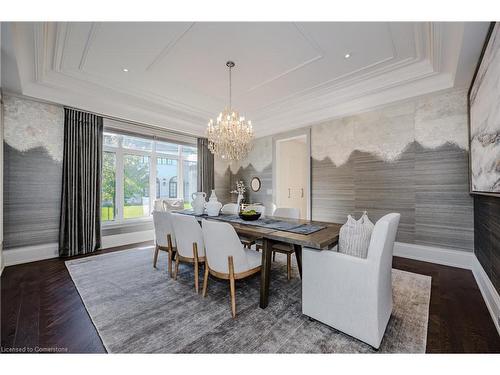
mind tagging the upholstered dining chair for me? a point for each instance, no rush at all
(230, 209)
(248, 242)
(226, 258)
(351, 294)
(284, 248)
(164, 237)
(190, 244)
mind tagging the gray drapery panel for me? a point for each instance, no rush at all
(205, 167)
(80, 224)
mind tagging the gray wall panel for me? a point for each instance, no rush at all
(32, 194)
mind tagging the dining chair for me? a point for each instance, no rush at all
(249, 241)
(230, 209)
(164, 237)
(190, 244)
(226, 258)
(351, 294)
(284, 248)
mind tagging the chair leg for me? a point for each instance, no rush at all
(176, 271)
(195, 254)
(155, 259)
(170, 254)
(205, 280)
(289, 266)
(231, 286)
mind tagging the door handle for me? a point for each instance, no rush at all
(288, 192)
(302, 192)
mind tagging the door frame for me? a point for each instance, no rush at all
(285, 137)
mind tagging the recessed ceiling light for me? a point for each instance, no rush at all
(125, 69)
(347, 55)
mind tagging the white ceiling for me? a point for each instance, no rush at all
(287, 75)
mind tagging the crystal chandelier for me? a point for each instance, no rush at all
(230, 136)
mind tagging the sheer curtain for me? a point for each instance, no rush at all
(80, 222)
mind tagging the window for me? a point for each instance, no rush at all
(172, 188)
(136, 170)
(108, 190)
(135, 186)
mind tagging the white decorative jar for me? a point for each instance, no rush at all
(198, 202)
(213, 207)
(213, 196)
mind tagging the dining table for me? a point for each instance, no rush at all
(273, 230)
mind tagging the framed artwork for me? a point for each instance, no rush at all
(484, 119)
(255, 184)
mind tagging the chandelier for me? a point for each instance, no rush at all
(230, 136)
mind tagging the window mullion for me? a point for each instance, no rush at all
(120, 194)
(152, 177)
(180, 174)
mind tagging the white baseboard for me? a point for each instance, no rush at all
(29, 254)
(490, 295)
(447, 257)
(127, 238)
(460, 259)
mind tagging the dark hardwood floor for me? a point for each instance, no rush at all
(41, 310)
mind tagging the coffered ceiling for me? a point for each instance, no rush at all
(287, 75)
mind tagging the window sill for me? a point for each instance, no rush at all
(126, 223)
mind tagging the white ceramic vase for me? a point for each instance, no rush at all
(198, 202)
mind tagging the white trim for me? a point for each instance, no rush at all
(488, 291)
(35, 253)
(127, 238)
(460, 259)
(432, 254)
(29, 254)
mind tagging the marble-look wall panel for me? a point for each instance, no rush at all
(408, 157)
(33, 148)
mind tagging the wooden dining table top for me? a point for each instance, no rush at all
(324, 238)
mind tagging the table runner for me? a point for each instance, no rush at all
(289, 225)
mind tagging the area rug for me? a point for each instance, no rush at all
(138, 309)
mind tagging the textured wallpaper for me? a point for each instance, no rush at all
(30, 124)
(409, 157)
(32, 172)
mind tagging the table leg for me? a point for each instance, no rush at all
(298, 255)
(265, 272)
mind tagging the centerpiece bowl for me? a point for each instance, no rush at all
(250, 215)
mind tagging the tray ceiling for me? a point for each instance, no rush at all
(287, 75)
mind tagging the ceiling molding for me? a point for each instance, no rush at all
(166, 50)
(425, 64)
(90, 38)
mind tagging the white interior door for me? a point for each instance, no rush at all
(292, 160)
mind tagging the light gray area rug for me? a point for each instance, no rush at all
(138, 309)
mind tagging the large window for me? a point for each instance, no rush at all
(136, 171)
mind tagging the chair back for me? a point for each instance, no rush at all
(221, 241)
(173, 204)
(163, 227)
(187, 231)
(288, 212)
(380, 258)
(230, 209)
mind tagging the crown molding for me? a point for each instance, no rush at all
(41, 47)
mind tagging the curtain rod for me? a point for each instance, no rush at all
(109, 117)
